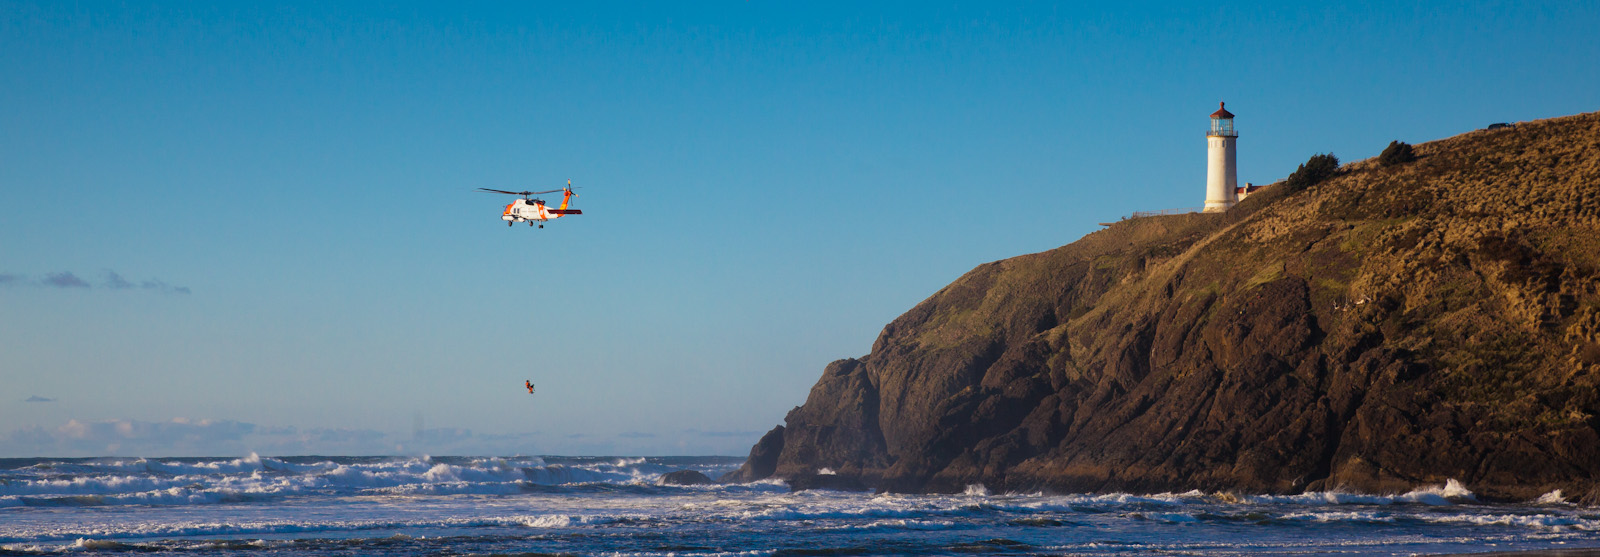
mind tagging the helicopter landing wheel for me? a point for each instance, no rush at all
(541, 226)
(508, 223)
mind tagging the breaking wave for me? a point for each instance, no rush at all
(108, 482)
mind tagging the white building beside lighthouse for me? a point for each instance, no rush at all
(1222, 176)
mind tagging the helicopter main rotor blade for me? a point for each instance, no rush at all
(491, 190)
(487, 190)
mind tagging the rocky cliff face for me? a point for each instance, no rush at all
(1390, 327)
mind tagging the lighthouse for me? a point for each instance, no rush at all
(1222, 176)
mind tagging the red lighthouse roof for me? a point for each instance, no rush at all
(1221, 111)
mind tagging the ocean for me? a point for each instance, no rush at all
(318, 505)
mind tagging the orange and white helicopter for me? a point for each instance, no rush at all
(529, 209)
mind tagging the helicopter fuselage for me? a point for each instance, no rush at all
(529, 210)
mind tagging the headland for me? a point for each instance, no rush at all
(1391, 326)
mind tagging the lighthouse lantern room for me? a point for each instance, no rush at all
(1222, 177)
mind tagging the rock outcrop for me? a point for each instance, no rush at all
(1390, 327)
(763, 460)
(685, 477)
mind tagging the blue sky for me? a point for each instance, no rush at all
(227, 229)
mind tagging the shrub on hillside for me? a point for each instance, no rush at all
(1316, 169)
(1398, 152)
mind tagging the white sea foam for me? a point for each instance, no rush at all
(820, 513)
(28, 548)
(179, 482)
(1543, 521)
(1552, 498)
(92, 485)
(1129, 498)
(1341, 516)
(1322, 498)
(1450, 493)
(548, 521)
(450, 488)
(559, 520)
(897, 524)
(83, 543)
(99, 534)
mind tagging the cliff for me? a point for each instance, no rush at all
(1389, 327)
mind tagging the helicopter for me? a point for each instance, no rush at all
(529, 209)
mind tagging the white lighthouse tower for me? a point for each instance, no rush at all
(1222, 176)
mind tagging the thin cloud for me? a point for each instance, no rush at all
(115, 281)
(181, 437)
(636, 435)
(186, 437)
(163, 287)
(112, 281)
(37, 398)
(178, 437)
(65, 279)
